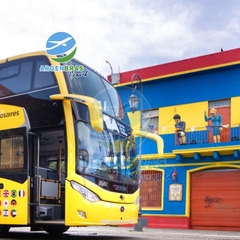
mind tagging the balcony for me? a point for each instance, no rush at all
(199, 142)
(204, 135)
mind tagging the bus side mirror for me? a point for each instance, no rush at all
(94, 107)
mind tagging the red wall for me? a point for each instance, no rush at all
(183, 66)
(168, 222)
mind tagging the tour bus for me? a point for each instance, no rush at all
(62, 134)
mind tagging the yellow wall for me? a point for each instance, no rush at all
(235, 110)
(192, 114)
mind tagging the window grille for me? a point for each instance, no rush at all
(150, 120)
(151, 189)
(219, 103)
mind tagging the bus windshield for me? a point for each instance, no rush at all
(89, 83)
(110, 156)
(107, 156)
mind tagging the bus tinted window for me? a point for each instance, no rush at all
(115, 99)
(91, 84)
(12, 153)
(23, 75)
(10, 71)
(12, 83)
(12, 149)
(42, 79)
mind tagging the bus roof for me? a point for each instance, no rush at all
(30, 54)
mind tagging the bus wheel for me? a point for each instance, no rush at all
(55, 229)
(4, 230)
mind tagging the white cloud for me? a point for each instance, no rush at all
(129, 34)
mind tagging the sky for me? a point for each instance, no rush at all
(129, 34)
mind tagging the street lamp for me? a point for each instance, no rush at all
(133, 102)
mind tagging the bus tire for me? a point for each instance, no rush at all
(4, 230)
(55, 229)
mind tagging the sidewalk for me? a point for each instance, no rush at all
(127, 233)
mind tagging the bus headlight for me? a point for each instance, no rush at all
(87, 194)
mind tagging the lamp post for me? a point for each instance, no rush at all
(133, 102)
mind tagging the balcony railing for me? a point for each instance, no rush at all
(202, 135)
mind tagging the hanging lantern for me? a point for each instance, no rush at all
(133, 102)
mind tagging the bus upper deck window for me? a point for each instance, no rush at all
(42, 79)
(8, 72)
(16, 78)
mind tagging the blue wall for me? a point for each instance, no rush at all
(196, 87)
(206, 85)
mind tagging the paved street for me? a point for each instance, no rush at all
(124, 233)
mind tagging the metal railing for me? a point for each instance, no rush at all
(202, 135)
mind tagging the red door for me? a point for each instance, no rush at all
(214, 200)
(225, 134)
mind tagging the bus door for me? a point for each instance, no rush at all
(14, 180)
(48, 168)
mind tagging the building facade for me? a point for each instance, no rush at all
(196, 183)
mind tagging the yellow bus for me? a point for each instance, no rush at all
(62, 162)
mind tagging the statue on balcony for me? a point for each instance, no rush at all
(180, 129)
(216, 123)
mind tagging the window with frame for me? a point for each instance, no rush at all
(151, 189)
(12, 153)
(13, 149)
(15, 78)
(219, 103)
(23, 75)
(150, 121)
(42, 79)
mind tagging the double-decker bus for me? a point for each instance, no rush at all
(62, 158)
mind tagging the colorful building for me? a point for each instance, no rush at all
(196, 184)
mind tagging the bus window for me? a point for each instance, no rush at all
(13, 157)
(91, 84)
(42, 79)
(22, 76)
(12, 149)
(11, 76)
(12, 153)
(115, 99)
(101, 155)
(91, 145)
(9, 72)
